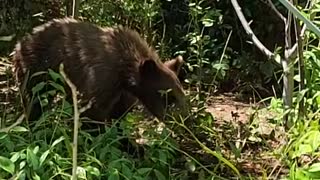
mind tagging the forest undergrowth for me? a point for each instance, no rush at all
(241, 132)
(255, 106)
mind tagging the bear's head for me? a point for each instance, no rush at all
(159, 86)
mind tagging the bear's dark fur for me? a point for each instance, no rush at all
(112, 66)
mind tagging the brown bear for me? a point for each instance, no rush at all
(112, 66)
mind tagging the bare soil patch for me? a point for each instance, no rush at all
(248, 126)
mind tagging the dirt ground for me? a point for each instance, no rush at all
(225, 107)
(263, 136)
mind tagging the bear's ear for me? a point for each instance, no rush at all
(175, 64)
(148, 67)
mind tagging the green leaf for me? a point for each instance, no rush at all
(221, 66)
(3, 135)
(44, 100)
(43, 157)
(19, 129)
(223, 73)
(21, 175)
(143, 171)
(35, 176)
(300, 174)
(190, 165)
(93, 170)
(314, 167)
(292, 170)
(38, 87)
(127, 172)
(7, 165)
(52, 92)
(36, 150)
(32, 159)
(296, 77)
(38, 74)
(207, 22)
(81, 172)
(159, 175)
(114, 175)
(116, 164)
(315, 140)
(67, 108)
(55, 76)
(57, 141)
(277, 58)
(57, 86)
(303, 149)
(22, 164)
(15, 156)
(163, 156)
(301, 95)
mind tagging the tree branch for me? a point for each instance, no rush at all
(75, 9)
(247, 28)
(291, 52)
(76, 122)
(86, 107)
(270, 3)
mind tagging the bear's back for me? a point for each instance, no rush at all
(62, 40)
(99, 61)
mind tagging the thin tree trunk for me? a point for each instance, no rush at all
(288, 72)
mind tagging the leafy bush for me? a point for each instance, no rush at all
(18, 17)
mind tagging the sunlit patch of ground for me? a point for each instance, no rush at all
(226, 108)
(254, 134)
